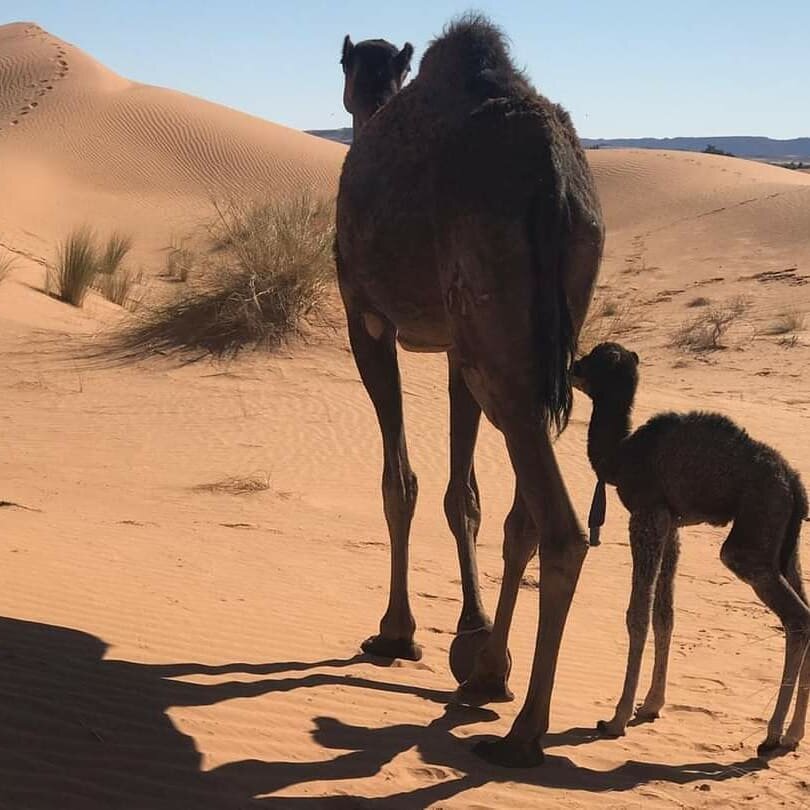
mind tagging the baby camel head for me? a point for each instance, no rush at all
(374, 71)
(607, 372)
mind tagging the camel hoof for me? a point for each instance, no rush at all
(392, 648)
(479, 693)
(607, 729)
(770, 749)
(647, 715)
(464, 653)
(508, 753)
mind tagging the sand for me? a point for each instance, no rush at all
(166, 643)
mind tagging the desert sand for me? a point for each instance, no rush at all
(168, 644)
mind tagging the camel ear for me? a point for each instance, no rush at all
(402, 60)
(635, 357)
(348, 52)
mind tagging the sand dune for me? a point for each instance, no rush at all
(78, 141)
(168, 645)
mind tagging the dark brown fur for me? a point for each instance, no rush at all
(684, 469)
(468, 223)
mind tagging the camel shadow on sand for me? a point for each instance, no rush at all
(81, 731)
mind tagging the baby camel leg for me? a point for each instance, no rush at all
(663, 616)
(753, 567)
(795, 731)
(649, 531)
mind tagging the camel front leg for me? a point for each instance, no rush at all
(376, 358)
(562, 551)
(648, 532)
(663, 620)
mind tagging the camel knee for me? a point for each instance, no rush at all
(462, 508)
(520, 538)
(399, 494)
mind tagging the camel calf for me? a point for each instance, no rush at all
(684, 469)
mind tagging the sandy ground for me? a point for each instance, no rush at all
(167, 644)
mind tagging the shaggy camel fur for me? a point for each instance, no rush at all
(468, 223)
(681, 470)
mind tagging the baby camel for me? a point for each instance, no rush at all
(684, 469)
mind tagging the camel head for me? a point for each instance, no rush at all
(608, 372)
(374, 71)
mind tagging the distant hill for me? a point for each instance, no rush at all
(747, 146)
(340, 135)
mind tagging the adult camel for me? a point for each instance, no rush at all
(468, 223)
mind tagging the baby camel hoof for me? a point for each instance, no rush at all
(508, 753)
(392, 648)
(464, 652)
(607, 728)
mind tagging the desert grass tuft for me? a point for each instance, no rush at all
(115, 251)
(6, 263)
(270, 273)
(76, 267)
(119, 286)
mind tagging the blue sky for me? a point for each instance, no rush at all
(623, 69)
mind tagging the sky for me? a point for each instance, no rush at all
(623, 69)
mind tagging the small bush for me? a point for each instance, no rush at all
(786, 323)
(705, 333)
(119, 285)
(116, 249)
(272, 270)
(76, 267)
(699, 301)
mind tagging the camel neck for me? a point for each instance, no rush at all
(609, 427)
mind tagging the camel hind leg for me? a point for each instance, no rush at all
(748, 554)
(376, 358)
(795, 733)
(462, 507)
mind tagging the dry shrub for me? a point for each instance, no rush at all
(237, 485)
(705, 332)
(699, 301)
(606, 321)
(786, 323)
(267, 279)
(180, 260)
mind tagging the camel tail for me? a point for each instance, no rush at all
(790, 545)
(555, 336)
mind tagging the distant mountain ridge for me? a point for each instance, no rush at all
(747, 146)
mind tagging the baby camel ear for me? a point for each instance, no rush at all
(403, 60)
(635, 357)
(348, 52)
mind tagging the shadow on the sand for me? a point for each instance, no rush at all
(81, 731)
